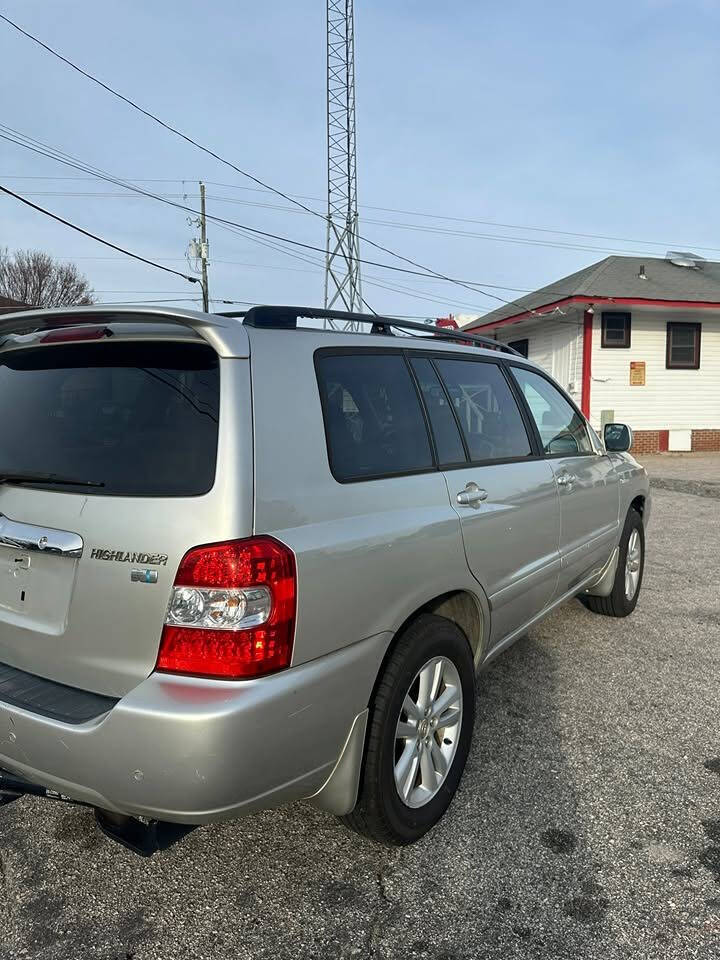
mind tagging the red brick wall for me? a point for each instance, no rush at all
(655, 441)
(645, 441)
(706, 440)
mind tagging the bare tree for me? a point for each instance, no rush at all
(36, 278)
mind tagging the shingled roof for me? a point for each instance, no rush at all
(620, 277)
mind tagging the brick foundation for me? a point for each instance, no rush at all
(646, 442)
(706, 440)
(656, 441)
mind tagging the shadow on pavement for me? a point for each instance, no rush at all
(507, 873)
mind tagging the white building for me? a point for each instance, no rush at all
(634, 340)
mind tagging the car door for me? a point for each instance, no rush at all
(504, 493)
(584, 474)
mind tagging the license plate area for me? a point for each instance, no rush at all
(35, 589)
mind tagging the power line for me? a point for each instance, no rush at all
(233, 166)
(94, 236)
(147, 113)
(110, 303)
(66, 159)
(421, 228)
(667, 244)
(372, 281)
(242, 230)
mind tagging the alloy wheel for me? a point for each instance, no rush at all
(427, 731)
(632, 565)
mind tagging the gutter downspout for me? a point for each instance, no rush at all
(587, 360)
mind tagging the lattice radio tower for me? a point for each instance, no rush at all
(343, 289)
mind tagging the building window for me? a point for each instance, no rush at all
(521, 346)
(615, 330)
(683, 346)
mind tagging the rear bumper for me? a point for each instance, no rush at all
(191, 750)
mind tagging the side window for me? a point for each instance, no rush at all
(562, 430)
(486, 409)
(448, 441)
(373, 419)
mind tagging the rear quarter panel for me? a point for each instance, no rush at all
(369, 554)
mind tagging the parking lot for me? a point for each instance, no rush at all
(587, 823)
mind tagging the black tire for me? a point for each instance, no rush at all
(617, 604)
(380, 813)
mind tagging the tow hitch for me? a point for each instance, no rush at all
(139, 834)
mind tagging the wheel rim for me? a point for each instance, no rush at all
(632, 565)
(427, 731)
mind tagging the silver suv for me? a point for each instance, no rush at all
(245, 561)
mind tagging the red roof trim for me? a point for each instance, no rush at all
(620, 301)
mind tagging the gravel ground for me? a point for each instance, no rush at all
(587, 824)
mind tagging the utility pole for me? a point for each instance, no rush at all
(204, 250)
(342, 266)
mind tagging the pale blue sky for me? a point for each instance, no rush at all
(592, 118)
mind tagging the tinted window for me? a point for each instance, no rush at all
(448, 442)
(140, 418)
(373, 418)
(561, 428)
(486, 409)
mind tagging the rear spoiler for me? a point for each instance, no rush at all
(227, 337)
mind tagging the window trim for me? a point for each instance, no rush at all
(613, 344)
(593, 452)
(454, 464)
(669, 364)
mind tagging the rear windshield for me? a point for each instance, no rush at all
(140, 418)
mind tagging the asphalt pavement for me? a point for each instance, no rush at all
(587, 824)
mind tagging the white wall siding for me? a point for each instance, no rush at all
(556, 345)
(671, 399)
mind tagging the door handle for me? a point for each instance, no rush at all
(566, 479)
(471, 494)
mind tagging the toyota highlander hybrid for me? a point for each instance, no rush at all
(246, 561)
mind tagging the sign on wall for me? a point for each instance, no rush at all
(637, 373)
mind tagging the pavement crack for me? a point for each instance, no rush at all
(383, 900)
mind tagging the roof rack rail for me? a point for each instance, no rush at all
(286, 318)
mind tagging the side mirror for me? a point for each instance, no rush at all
(618, 437)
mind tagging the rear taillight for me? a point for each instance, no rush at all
(232, 611)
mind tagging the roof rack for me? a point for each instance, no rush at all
(286, 318)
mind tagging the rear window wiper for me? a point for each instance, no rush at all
(53, 478)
